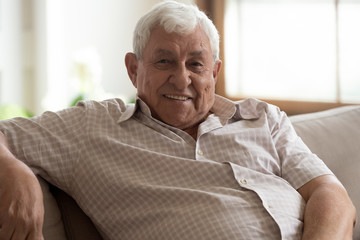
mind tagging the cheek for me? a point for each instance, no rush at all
(144, 87)
(210, 95)
(145, 82)
(149, 88)
(206, 95)
(208, 88)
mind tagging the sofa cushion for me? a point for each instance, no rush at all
(77, 224)
(53, 227)
(334, 135)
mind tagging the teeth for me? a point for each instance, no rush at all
(182, 98)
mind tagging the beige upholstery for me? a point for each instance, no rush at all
(53, 228)
(334, 135)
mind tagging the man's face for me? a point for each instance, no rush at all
(176, 77)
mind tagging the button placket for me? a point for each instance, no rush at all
(266, 206)
(243, 181)
(198, 151)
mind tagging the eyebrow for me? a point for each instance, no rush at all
(196, 53)
(162, 51)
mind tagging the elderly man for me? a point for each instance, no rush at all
(182, 163)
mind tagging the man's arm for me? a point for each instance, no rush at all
(329, 212)
(21, 200)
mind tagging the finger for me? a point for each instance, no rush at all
(36, 232)
(35, 236)
(19, 234)
(28, 232)
(6, 231)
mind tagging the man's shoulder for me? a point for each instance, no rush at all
(251, 102)
(114, 107)
(110, 104)
(250, 108)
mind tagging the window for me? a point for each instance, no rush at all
(301, 50)
(349, 50)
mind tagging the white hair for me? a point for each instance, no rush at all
(174, 17)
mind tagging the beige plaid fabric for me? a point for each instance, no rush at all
(138, 178)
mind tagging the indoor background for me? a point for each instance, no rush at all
(303, 55)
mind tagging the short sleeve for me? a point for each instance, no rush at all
(49, 144)
(298, 164)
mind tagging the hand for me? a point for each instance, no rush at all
(21, 203)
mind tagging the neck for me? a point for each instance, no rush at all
(192, 131)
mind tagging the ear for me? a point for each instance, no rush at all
(131, 63)
(216, 69)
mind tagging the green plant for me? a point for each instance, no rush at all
(11, 110)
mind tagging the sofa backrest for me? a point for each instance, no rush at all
(334, 135)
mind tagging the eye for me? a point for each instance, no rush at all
(196, 64)
(163, 61)
(163, 64)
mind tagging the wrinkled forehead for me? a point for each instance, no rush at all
(195, 43)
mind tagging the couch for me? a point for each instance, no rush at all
(334, 135)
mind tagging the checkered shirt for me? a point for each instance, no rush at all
(139, 178)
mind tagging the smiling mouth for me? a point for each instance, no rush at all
(175, 97)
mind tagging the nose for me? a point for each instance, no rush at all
(181, 77)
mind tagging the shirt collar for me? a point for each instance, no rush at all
(223, 108)
(246, 109)
(132, 108)
(250, 108)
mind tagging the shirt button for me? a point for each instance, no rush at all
(243, 181)
(200, 152)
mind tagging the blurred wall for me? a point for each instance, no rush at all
(42, 43)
